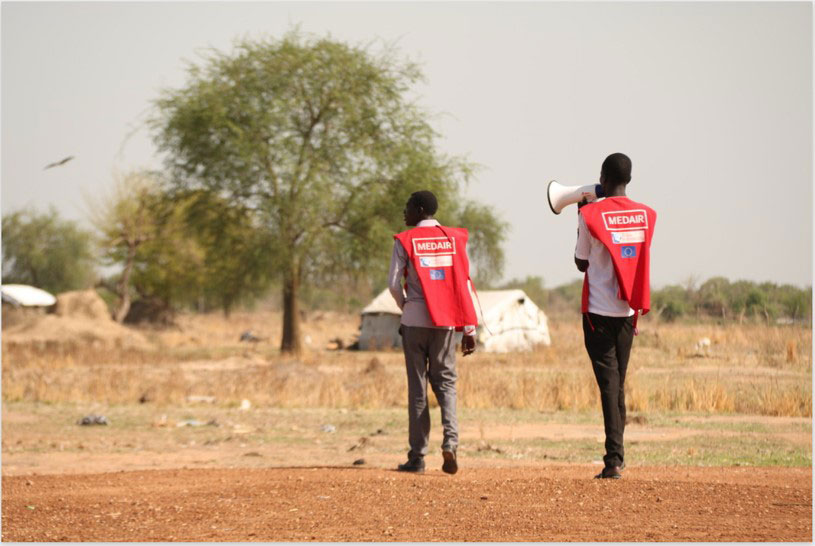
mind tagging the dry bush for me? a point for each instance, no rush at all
(792, 351)
(782, 401)
(694, 396)
(636, 397)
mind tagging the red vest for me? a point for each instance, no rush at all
(439, 255)
(625, 228)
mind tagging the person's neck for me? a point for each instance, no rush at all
(619, 191)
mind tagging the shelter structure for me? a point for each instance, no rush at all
(23, 295)
(508, 321)
(380, 324)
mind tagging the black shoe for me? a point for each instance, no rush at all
(622, 466)
(609, 472)
(450, 464)
(413, 465)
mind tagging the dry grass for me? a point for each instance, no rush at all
(747, 369)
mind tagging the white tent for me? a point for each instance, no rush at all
(510, 322)
(380, 324)
(22, 295)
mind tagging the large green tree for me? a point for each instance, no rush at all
(236, 264)
(46, 251)
(320, 142)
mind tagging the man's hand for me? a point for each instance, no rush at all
(467, 345)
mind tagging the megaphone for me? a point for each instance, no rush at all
(561, 196)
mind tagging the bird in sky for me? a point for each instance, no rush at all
(59, 163)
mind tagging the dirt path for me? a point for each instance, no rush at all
(528, 503)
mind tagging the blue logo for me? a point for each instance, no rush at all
(437, 274)
(424, 262)
(628, 251)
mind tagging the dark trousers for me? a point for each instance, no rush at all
(608, 341)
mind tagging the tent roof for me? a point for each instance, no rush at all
(383, 303)
(27, 296)
(491, 300)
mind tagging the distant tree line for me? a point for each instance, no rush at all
(192, 250)
(716, 299)
(734, 301)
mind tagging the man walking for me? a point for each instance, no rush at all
(433, 261)
(613, 249)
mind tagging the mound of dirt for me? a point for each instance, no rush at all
(80, 319)
(16, 315)
(82, 304)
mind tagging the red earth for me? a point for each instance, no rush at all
(523, 503)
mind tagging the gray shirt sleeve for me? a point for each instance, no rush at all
(397, 273)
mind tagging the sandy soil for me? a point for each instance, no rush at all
(529, 503)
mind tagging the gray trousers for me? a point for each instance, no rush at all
(430, 354)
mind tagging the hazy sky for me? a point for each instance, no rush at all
(712, 101)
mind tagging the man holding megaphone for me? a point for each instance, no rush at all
(613, 250)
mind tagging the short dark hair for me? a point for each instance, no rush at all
(426, 200)
(617, 169)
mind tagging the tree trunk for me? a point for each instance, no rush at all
(291, 314)
(124, 288)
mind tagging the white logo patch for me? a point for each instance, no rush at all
(627, 237)
(436, 261)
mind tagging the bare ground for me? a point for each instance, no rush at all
(261, 475)
(512, 503)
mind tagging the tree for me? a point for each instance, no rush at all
(795, 302)
(317, 141)
(184, 249)
(235, 264)
(126, 220)
(712, 295)
(671, 302)
(487, 233)
(46, 251)
(170, 269)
